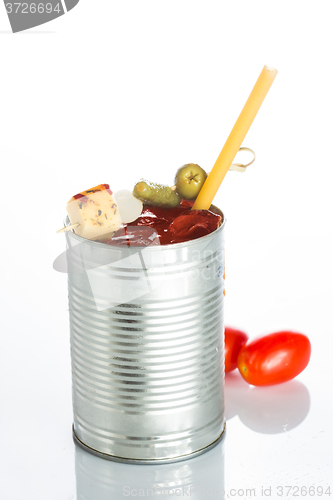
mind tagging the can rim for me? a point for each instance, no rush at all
(150, 248)
(148, 461)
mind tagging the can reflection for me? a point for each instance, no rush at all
(199, 477)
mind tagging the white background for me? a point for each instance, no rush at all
(115, 91)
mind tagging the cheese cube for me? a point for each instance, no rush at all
(96, 212)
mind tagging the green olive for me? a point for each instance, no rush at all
(189, 180)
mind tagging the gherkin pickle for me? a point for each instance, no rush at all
(189, 180)
(156, 194)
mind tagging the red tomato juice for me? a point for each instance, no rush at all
(168, 225)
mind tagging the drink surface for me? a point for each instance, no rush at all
(167, 226)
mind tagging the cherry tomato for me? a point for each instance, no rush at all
(274, 358)
(234, 340)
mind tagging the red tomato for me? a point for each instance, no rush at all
(234, 340)
(274, 358)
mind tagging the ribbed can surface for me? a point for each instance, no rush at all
(147, 346)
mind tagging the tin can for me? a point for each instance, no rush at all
(147, 348)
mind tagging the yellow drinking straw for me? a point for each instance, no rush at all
(235, 139)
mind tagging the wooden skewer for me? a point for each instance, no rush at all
(239, 167)
(68, 228)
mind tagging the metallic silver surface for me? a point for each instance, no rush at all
(98, 479)
(147, 462)
(147, 346)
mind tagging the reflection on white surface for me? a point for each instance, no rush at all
(268, 410)
(98, 479)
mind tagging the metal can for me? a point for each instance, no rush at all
(147, 348)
